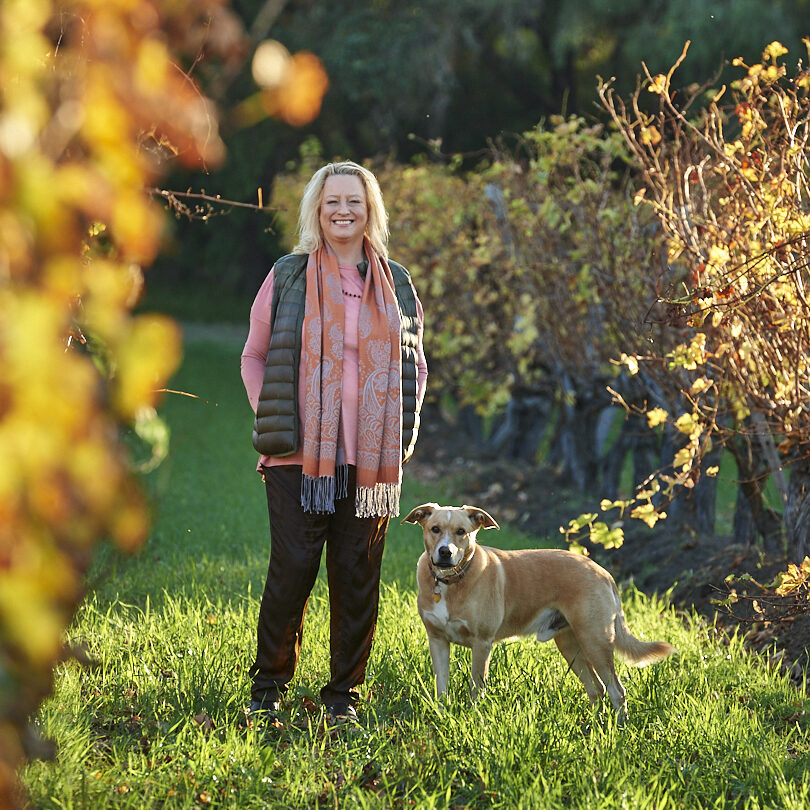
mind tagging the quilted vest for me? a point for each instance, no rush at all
(277, 426)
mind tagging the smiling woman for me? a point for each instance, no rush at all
(335, 372)
(343, 217)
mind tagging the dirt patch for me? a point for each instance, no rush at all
(694, 570)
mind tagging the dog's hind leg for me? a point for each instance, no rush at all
(568, 645)
(481, 652)
(600, 655)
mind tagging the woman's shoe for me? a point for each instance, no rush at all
(264, 712)
(339, 714)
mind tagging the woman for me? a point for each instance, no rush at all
(335, 372)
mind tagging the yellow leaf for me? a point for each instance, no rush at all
(606, 504)
(631, 363)
(656, 416)
(718, 256)
(130, 523)
(687, 423)
(683, 458)
(774, 51)
(658, 84)
(650, 136)
(578, 548)
(647, 514)
(674, 249)
(136, 226)
(29, 618)
(151, 67)
(700, 385)
(147, 356)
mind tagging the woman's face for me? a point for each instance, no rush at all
(344, 211)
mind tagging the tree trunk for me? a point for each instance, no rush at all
(797, 511)
(575, 443)
(519, 432)
(638, 441)
(752, 518)
(470, 422)
(705, 494)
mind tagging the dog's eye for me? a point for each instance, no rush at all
(435, 529)
(460, 532)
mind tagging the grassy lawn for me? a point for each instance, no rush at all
(159, 721)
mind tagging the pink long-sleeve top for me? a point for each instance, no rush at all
(254, 357)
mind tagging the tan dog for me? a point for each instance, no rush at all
(475, 595)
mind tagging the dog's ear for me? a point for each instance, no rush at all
(483, 519)
(420, 513)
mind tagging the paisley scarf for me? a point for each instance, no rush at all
(379, 418)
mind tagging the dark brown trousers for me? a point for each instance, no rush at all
(354, 548)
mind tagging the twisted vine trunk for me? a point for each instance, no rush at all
(693, 509)
(752, 518)
(797, 511)
(574, 448)
(519, 432)
(641, 444)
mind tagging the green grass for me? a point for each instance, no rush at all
(159, 721)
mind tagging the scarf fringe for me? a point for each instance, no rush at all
(379, 500)
(319, 493)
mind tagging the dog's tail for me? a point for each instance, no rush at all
(634, 650)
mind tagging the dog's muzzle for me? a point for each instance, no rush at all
(445, 556)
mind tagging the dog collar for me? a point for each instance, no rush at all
(458, 571)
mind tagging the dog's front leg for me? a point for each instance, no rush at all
(481, 652)
(440, 656)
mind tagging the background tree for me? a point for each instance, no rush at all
(405, 75)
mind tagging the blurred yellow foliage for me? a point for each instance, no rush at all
(92, 108)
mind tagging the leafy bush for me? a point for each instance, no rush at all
(728, 182)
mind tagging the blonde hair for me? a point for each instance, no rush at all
(310, 236)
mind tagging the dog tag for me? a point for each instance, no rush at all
(437, 597)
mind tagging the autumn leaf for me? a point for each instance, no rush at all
(773, 51)
(631, 363)
(204, 722)
(606, 536)
(650, 136)
(688, 423)
(647, 513)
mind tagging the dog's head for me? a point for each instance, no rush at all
(449, 531)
